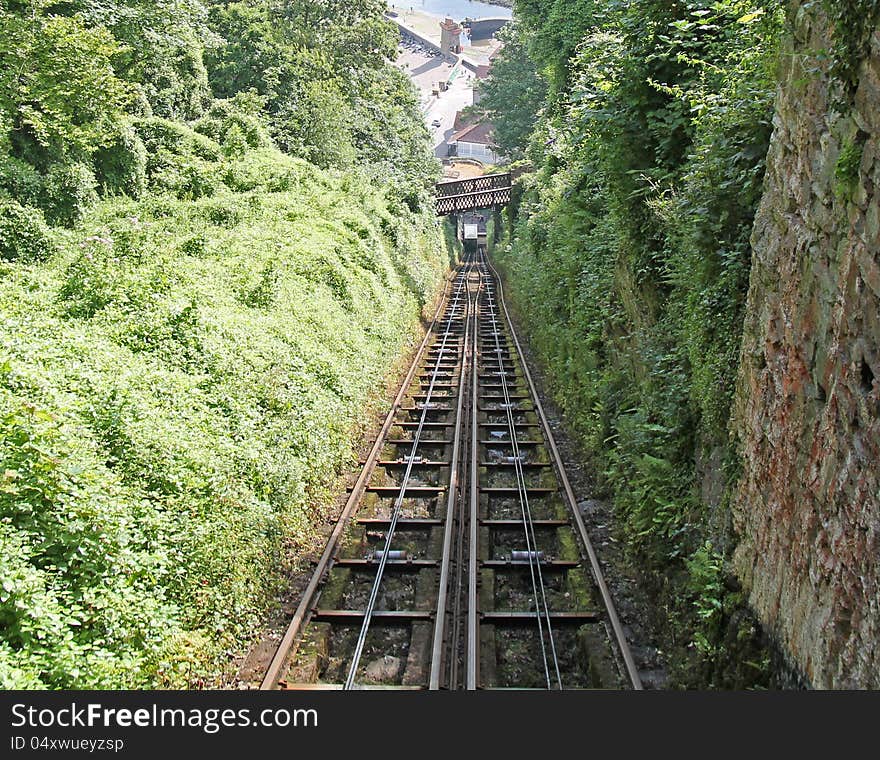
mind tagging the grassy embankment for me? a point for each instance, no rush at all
(181, 380)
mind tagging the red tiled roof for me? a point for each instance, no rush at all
(481, 134)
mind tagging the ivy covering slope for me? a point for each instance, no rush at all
(629, 252)
(203, 289)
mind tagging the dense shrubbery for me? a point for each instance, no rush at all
(21, 181)
(185, 363)
(122, 165)
(23, 233)
(225, 119)
(82, 597)
(178, 387)
(630, 248)
(68, 192)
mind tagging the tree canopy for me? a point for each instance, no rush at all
(317, 75)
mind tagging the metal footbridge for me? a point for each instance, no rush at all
(487, 192)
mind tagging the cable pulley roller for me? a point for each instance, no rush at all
(385, 553)
(526, 556)
(531, 554)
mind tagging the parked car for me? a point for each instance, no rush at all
(435, 123)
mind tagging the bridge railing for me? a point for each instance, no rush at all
(473, 184)
(456, 204)
(488, 191)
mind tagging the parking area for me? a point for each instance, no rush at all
(427, 68)
(424, 66)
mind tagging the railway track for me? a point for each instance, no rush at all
(460, 560)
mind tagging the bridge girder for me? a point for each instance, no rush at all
(488, 191)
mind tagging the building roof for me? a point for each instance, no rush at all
(482, 71)
(482, 134)
(450, 26)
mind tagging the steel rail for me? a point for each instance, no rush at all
(528, 528)
(623, 645)
(512, 432)
(473, 648)
(279, 659)
(472, 334)
(452, 498)
(398, 503)
(457, 645)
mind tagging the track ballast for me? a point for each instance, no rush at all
(460, 560)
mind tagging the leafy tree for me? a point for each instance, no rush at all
(315, 124)
(59, 94)
(321, 69)
(513, 95)
(252, 55)
(161, 48)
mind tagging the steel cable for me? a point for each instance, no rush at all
(398, 503)
(537, 579)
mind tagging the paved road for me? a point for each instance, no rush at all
(425, 71)
(443, 108)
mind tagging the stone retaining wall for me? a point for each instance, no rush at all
(808, 402)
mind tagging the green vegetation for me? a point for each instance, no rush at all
(215, 242)
(854, 22)
(628, 249)
(311, 78)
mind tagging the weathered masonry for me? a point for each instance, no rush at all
(808, 408)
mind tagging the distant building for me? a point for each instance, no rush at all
(480, 73)
(475, 141)
(450, 36)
